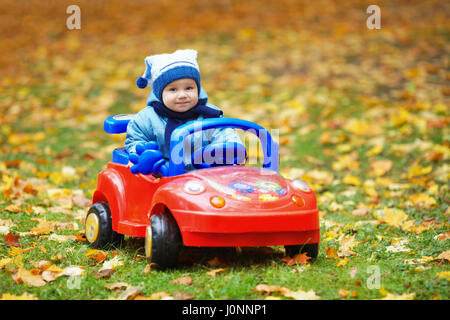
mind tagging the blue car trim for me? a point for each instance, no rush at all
(120, 156)
(118, 123)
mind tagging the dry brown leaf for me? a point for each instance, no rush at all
(42, 264)
(155, 296)
(216, 261)
(13, 208)
(186, 280)
(443, 236)
(43, 227)
(180, 295)
(214, 272)
(147, 269)
(4, 230)
(104, 273)
(11, 239)
(130, 293)
(301, 258)
(72, 271)
(346, 244)
(27, 277)
(265, 288)
(112, 263)
(81, 201)
(117, 285)
(60, 238)
(361, 212)
(445, 255)
(6, 222)
(49, 275)
(98, 255)
(297, 295)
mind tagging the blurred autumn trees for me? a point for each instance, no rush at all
(273, 62)
(29, 26)
(256, 57)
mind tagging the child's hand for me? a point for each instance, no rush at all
(148, 159)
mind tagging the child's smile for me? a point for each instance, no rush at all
(180, 95)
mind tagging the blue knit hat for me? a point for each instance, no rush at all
(162, 69)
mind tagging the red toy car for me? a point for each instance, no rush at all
(222, 206)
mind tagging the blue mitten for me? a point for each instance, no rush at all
(148, 159)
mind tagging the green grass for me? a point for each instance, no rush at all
(244, 271)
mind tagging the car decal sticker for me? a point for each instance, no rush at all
(262, 190)
(242, 187)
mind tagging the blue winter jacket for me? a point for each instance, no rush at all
(147, 126)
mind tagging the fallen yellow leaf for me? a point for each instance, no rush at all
(423, 201)
(380, 167)
(393, 296)
(302, 295)
(444, 274)
(331, 253)
(24, 296)
(375, 150)
(417, 170)
(396, 218)
(342, 262)
(352, 180)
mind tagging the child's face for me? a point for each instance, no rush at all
(180, 95)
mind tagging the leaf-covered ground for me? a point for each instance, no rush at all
(362, 115)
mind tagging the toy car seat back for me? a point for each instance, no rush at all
(118, 123)
(115, 125)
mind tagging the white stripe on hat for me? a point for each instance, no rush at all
(158, 64)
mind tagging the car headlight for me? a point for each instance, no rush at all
(301, 185)
(217, 202)
(194, 187)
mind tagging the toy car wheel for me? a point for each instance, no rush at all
(311, 249)
(163, 240)
(98, 227)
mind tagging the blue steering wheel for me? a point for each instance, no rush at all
(213, 155)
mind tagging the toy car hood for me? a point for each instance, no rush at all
(245, 183)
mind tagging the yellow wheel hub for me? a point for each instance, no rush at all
(148, 242)
(92, 226)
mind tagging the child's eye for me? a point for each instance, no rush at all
(190, 88)
(173, 89)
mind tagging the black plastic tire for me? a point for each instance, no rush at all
(105, 237)
(311, 249)
(166, 240)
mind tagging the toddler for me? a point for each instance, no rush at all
(176, 98)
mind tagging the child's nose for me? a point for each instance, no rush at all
(182, 93)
